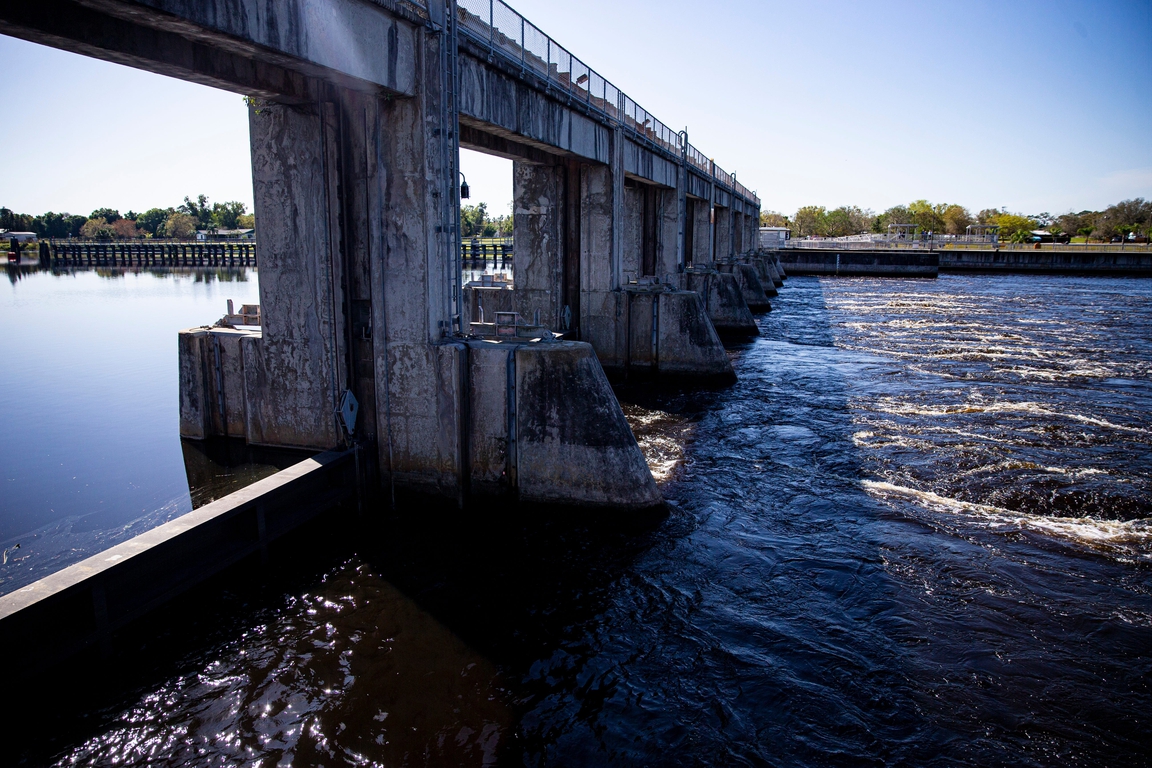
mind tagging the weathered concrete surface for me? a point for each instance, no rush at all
(723, 226)
(574, 445)
(504, 104)
(538, 196)
(779, 268)
(775, 274)
(765, 273)
(904, 263)
(491, 300)
(213, 385)
(294, 371)
(85, 603)
(546, 428)
(259, 47)
(750, 286)
(724, 302)
(685, 343)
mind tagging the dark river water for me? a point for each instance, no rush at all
(916, 532)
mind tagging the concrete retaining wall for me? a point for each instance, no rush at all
(85, 603)
(1116, 263)
(813, 261)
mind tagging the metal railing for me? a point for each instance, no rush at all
(504, 32)
(480, 254)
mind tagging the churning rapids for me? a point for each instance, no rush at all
(916, 532)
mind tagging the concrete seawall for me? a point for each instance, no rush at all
(903, 262)
(859, 263)
(1116, 263)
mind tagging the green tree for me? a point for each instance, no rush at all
(152, 220)
(247, 221)
(809, 220)
(199, 210)
(180, 225)
(845, 220)
(1126, 217)
(1015, 228)
(55, 224)
(227, 215)
(15, 222)
(773, 219)
(108, 214)
(97, 229)
(927, 217)
(956, 219)
(473, 219)
(897, 214)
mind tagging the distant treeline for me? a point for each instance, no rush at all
(1122, 220)
(475, 222)
(180, 222)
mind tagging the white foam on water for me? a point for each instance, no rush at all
(887, 405)
(1122, 539)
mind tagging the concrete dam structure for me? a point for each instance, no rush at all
(634, 250)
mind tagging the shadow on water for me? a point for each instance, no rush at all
(388, 638)
(779, 614)
(219, 466)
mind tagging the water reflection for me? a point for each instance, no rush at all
(90, 453)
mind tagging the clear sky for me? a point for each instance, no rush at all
(1028, 104)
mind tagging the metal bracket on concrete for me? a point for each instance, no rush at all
(348, 410)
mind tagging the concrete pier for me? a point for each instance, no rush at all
(751, 289)
(657, 331)
(723, 300)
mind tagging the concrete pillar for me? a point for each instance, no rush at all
(296, 368)
(632, 231)
(723, 229)
(617, 203)
(598, 305)
(668, 232)
(354, 282)
(539, 192)
(702, 231)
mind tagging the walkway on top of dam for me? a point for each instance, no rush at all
(518, 48)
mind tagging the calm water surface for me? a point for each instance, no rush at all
(90, 450)
(916, 532)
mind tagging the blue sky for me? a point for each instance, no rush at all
(1035, 106)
